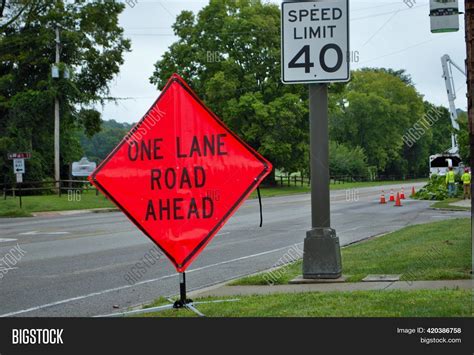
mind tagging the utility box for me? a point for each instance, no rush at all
(444, 16)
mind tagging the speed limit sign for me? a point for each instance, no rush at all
(315, 41)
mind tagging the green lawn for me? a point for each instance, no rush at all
(421, 303)
(281, 191)
(285, 190)
(440, 250)
(11, 206)
(434, 251)
(445, 204)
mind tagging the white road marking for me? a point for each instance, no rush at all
(8, 268)
(6, 240)
(44, 233)
(141, 282)
(352, 229)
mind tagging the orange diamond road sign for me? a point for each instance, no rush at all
(180, 173)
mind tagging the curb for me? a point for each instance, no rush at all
(73, 212)
(236, 291)
(451, 209)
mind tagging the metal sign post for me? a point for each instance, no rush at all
(19, 170)
(315, 50)
(183, 301)
(322, 255)
(19, 194)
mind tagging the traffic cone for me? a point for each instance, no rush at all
(398, 202)
(392, 197)
(413, 192)
(402, 194)
(382, 198)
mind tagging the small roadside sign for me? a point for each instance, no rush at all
(19, 178)
(83, 167)
(315, 41)
(180, 173)
(19, 166)
(23, 155)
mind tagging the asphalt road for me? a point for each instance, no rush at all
(81, 265)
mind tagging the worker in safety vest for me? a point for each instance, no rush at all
(451, 182)
(466, 180)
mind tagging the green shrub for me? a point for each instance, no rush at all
(436, 189)
(347, 161)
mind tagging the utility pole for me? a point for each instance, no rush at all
(469, 25)
(57, 173)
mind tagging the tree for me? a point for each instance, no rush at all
(441, 128)
(463, 138)
(373, 112)
(92, 47)
(100, 145)
(230, 55)
(401, 73)
(346, 161)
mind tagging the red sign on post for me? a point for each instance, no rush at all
(180, 173)
(23, 155)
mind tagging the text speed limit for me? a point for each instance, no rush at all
(315, 41)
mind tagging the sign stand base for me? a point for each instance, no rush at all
(183, 302)
(322, 255)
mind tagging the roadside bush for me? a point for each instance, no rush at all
(347, 161)
(436, 189)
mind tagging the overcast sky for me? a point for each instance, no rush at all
(388, 34)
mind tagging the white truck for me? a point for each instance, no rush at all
(440, 163)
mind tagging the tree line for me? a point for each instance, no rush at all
(240, 81)
(91, 47)
(229, 53)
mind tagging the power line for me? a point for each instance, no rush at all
(387, 13)
(380, 29)
(375, 7)
(403, 50)
(393, 13)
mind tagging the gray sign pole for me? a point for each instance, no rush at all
(319, 153)
(322, 255)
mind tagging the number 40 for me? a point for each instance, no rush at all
(307, 64)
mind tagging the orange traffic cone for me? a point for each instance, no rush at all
(402, 194)
(382, 198)
(413, 192)
(392, 197)
(398, 202)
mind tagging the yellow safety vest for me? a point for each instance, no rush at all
(466, 178)
(450, 177)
